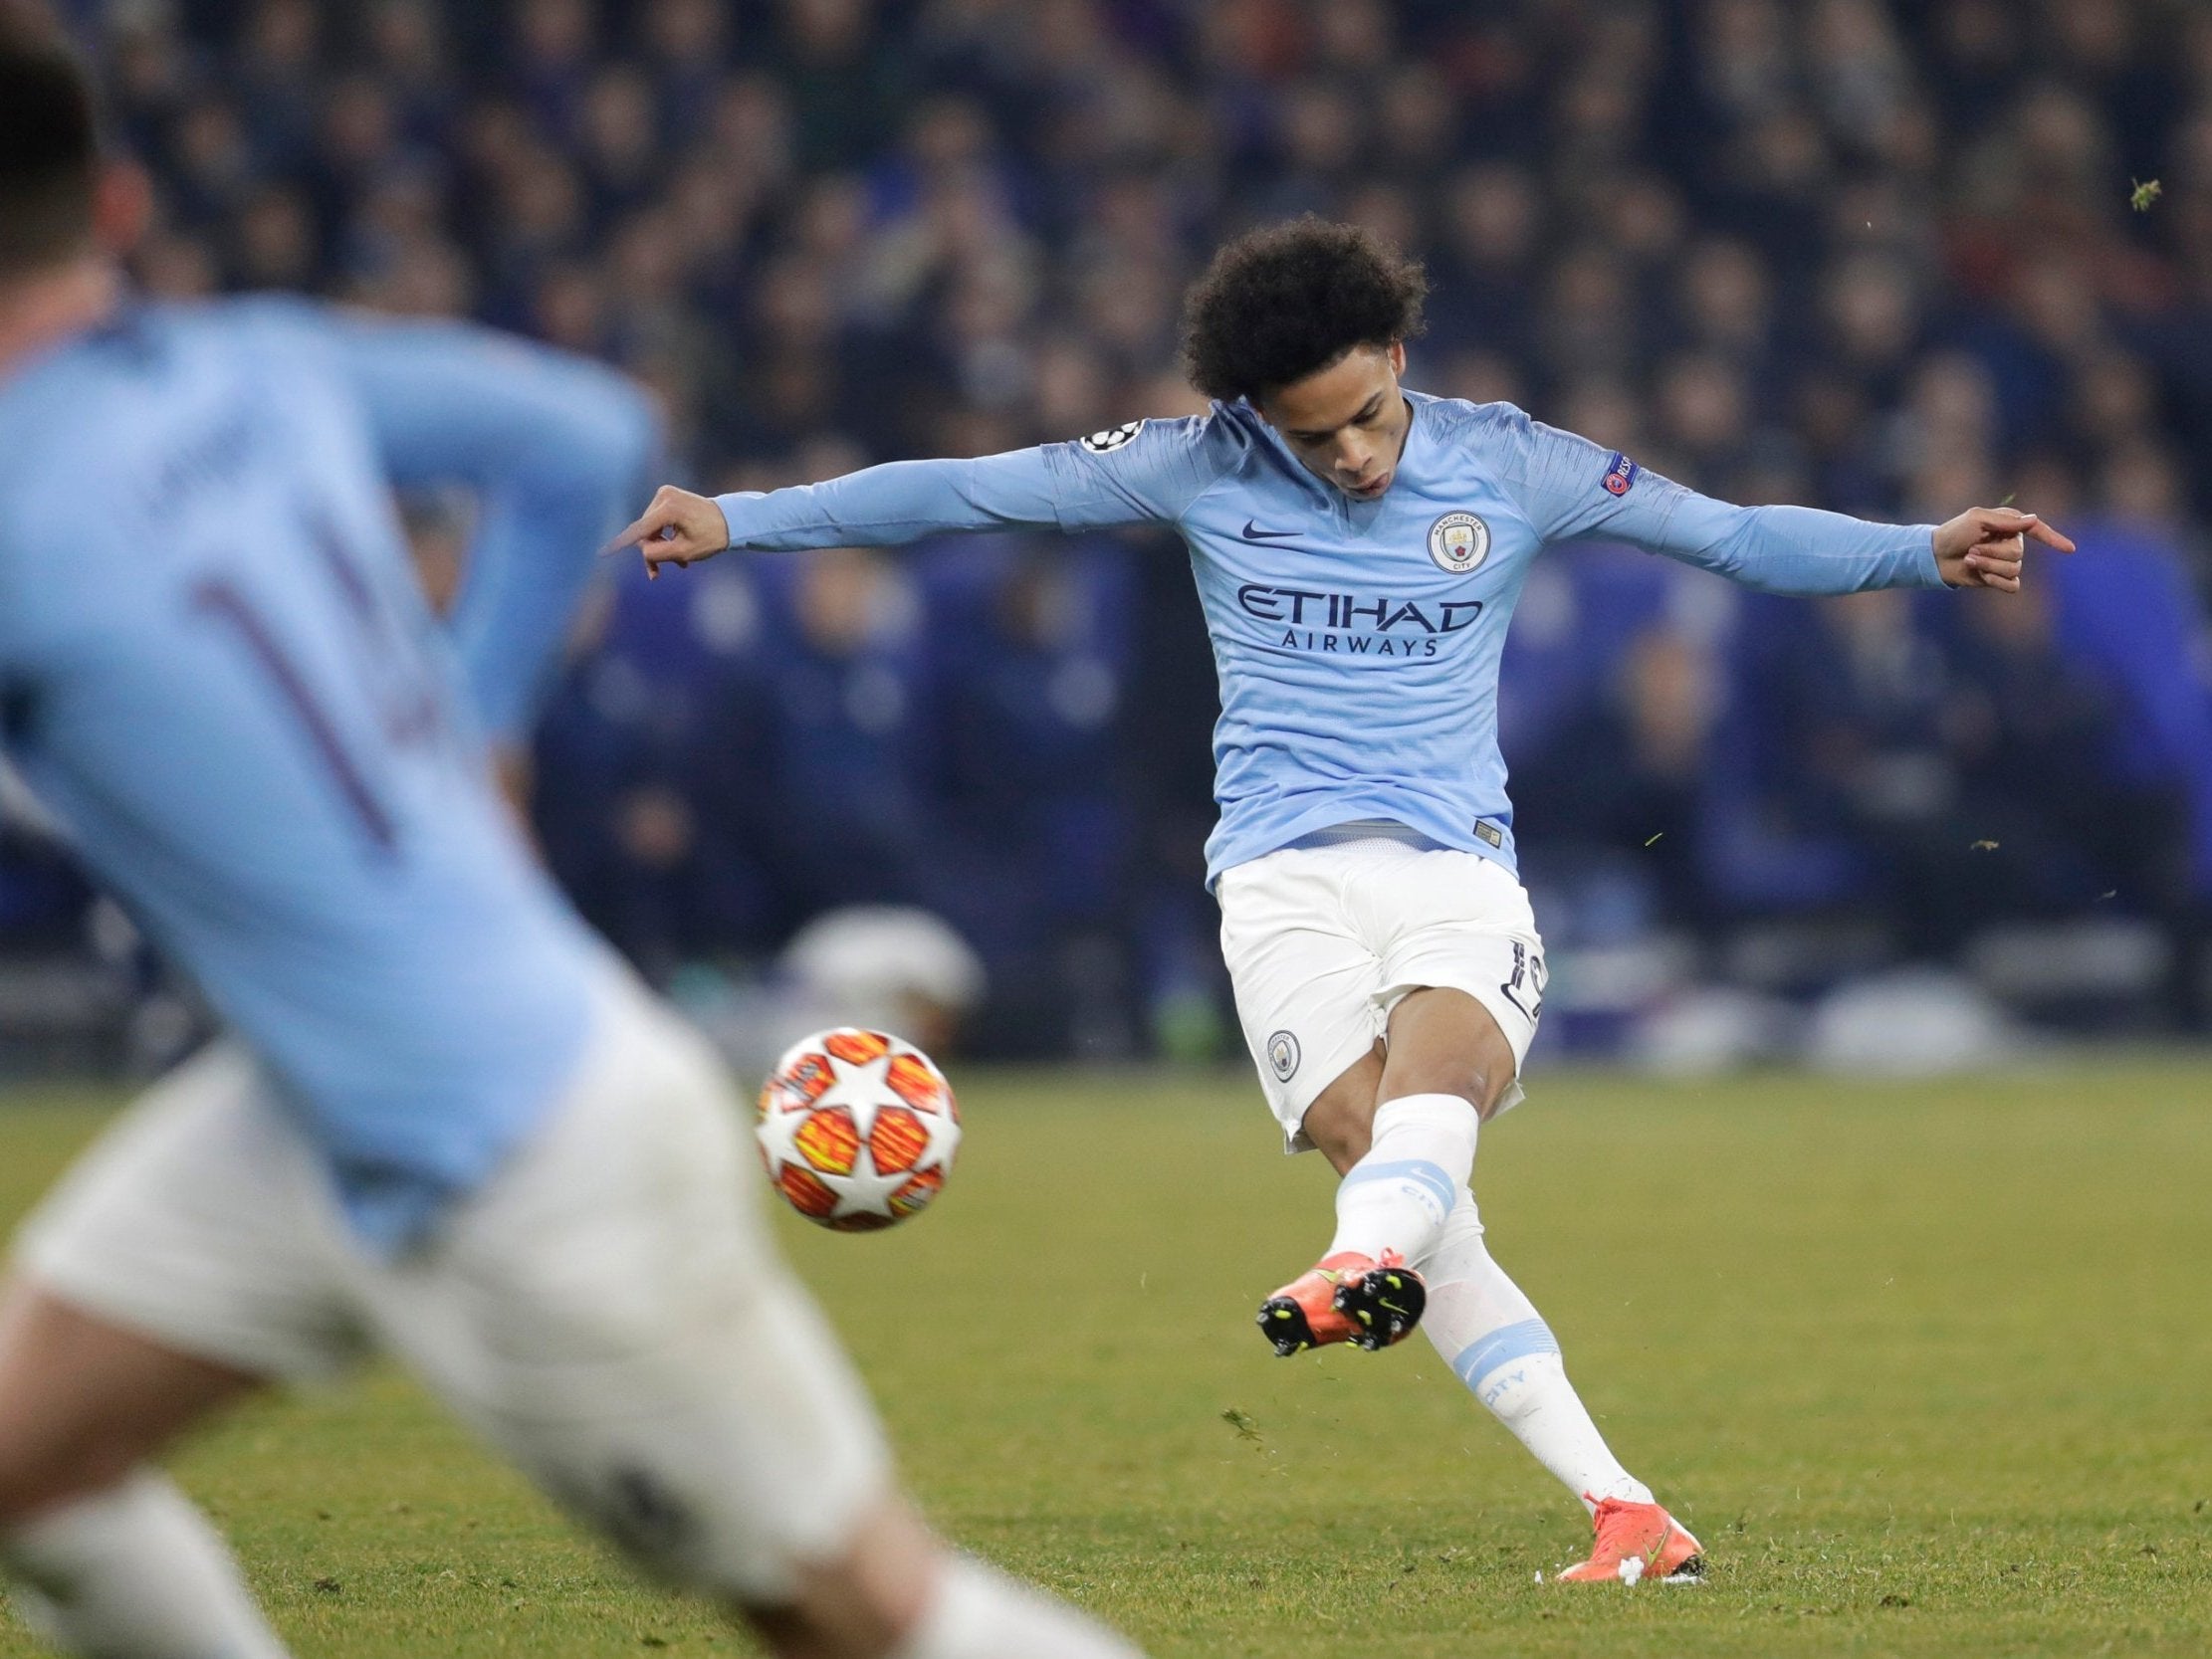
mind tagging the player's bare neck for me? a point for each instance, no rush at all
(40, 311)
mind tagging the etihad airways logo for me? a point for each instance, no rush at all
(1347, 625)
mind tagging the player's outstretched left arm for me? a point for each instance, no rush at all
(1804, 550)
(1570, 488)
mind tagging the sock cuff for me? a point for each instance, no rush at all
(1502, 1348)
(1433, 1181)
(1452, 1114)
(135, 1569)
(977, 1612)
(961, 1601)
(69, 1527)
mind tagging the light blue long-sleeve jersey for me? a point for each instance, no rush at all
(217, 669)
(1357, 642)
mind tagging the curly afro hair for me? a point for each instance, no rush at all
(1277, 303)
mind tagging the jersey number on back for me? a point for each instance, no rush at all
(415, 719)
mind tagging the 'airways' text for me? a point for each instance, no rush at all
(1357, 645)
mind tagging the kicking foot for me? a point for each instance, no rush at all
(1637, 1544)
(1347, 1297)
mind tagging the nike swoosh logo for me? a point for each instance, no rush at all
(1252, 533)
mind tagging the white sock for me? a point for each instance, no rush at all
(135, 1572)
(979, 1613)
(1491, 1336)
(1416, 1169)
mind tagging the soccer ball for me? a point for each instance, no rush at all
(857, 1129)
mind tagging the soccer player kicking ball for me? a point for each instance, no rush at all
(1357, 549)
(449, 1121)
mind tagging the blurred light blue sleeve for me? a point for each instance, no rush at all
(556, 450)
(11, 649)
(1147, 471)
(1569, 488)
(10, 609)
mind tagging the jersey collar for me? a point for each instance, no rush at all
(1326, 496)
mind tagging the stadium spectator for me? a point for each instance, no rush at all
(832, 734)
(1767, 246)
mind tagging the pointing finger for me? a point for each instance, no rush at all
(2008, 520)
(650, 522)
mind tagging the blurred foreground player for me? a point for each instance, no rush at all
(1357, 549)
(449, 1124)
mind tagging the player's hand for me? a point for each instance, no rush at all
(1984, 547)
(679, 528)
(516, 773)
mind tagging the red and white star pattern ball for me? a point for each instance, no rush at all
(857, 1129)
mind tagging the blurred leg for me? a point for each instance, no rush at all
(173, 1268)
(82, 1402)
(111, 1560)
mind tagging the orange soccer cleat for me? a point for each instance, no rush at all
(1344, 1298)
(1637, 1544)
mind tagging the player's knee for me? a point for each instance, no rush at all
(48, 1459)
(83, 1402)
(864, 1603)
(38, 1475)
(838, 1629)
(1445, 1042)
(1477, 1083)
(1480, 1077)
(20, 1484)
(1475, 1080)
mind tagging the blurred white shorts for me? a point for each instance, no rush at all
(608, 1311)
(1323, 942)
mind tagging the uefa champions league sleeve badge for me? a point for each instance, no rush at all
(1457, 543)
(1113, 438)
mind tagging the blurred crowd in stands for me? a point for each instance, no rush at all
(1893, 259)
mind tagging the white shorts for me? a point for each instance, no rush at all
(608, 1311)
(1322, 942)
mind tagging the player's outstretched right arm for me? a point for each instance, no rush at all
(1147, 471)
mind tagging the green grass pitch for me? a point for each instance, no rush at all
(1927, 1367)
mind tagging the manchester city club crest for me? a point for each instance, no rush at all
(1459, 541)
(1282, 1056)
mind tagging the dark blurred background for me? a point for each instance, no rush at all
(1891, 259)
